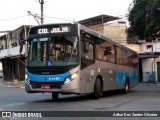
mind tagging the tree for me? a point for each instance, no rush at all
(144, 17)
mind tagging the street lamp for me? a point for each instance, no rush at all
(34, 16)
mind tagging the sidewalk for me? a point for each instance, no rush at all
(149, 83)
(15, 83)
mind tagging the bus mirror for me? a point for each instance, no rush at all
(21, 47)
(86, 47)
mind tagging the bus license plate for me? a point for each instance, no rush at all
(45, 86)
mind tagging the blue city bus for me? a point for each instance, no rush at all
(73, 59)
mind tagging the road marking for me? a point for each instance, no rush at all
(22, 87)
(15, 104)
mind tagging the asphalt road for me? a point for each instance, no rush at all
(140, 98)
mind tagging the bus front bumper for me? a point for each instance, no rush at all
(71, 87)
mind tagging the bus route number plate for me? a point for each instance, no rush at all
(45, 86)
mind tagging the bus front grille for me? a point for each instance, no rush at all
(37, 85)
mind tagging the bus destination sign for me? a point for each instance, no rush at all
(53, 30)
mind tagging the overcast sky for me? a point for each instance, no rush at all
(13, 13)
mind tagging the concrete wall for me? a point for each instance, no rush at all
(155, 47)
(11, 52)
(134, 47)
(149, 65)
(149, 71)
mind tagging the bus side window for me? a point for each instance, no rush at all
(105, 51)
(89, 54)
(87, 57)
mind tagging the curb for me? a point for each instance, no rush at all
(149, 84)
(11, 85)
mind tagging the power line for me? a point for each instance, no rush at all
(121, 12)
(37, 14)
(13, 18)
(121, 15)
(58, 18)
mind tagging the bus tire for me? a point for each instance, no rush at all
(126, 87)
(97, 89)
(54, 96)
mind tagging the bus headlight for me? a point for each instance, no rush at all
(72, 77)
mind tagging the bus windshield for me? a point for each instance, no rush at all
(53, 51)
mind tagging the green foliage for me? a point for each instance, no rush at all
(144, 17)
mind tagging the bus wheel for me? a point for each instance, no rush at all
(126, 88)
(54, 96)
(97, 89)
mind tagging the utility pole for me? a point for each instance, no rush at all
(41, 2)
